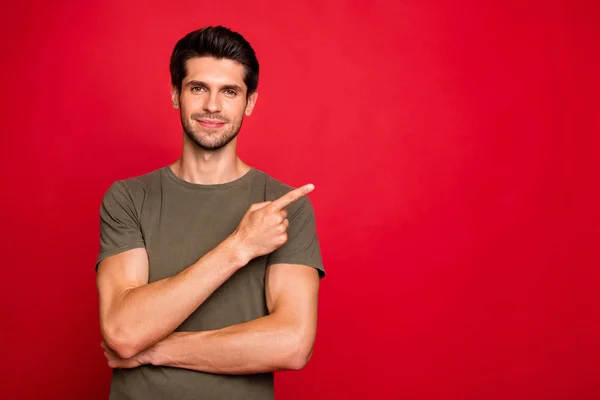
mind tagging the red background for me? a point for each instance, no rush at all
(453, 147)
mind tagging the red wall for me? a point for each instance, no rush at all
(453, 146)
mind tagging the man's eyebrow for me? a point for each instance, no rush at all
(223, 87)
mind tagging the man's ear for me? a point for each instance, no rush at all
(251, 103)
(175, 97)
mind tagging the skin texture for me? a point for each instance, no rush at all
(213, 96)
(137, 318)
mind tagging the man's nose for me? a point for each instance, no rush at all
(212, 103)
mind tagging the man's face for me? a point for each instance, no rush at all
(213, 101)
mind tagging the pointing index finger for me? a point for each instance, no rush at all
(291, 196)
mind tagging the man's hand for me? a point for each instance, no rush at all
(263, 228)
(114, 361)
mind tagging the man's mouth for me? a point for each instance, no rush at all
(210, 123)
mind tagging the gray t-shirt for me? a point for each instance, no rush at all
(177, 222)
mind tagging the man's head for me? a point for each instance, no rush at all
(214, 77)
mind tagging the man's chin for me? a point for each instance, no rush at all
(211, 145)
(208, 144)
(210, 139)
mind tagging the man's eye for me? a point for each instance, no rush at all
(230, 92)
(197, 88)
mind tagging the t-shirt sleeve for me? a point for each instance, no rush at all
(120, 228)
(302, 246)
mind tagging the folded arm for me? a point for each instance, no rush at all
(281, 340)
(134, 314)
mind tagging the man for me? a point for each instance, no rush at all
(208, 272)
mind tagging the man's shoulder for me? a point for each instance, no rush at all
(135, 186)
(142, 181)
(275, 188)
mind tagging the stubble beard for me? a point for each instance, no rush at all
(213, 139)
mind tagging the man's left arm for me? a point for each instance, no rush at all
(281, 340)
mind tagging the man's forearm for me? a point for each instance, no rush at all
(266, 344)
(148, 313)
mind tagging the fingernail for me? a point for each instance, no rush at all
(311, 187)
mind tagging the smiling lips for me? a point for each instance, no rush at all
(210, 123)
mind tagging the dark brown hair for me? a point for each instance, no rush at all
(218, 42)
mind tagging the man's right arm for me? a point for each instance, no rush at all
(135, 314)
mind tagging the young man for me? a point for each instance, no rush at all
(208, 272)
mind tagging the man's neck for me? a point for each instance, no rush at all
(206, 167)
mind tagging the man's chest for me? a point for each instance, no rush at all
(178, 231)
